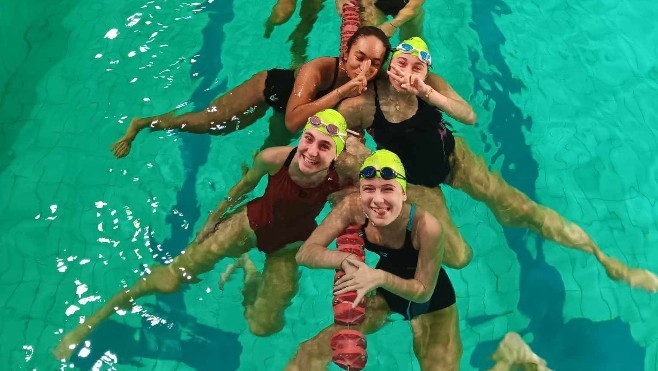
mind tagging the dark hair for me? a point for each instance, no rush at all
(370, 31)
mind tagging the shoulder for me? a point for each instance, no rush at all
(428, 228)
(273, 157)
(318, 65)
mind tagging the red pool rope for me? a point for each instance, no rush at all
(349, 346)
(351, 21)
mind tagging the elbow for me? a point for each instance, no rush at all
(292, 124)
(300, 257)
(471, 118)
(424, 295)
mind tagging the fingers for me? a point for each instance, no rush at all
(359, 297)
(365, 66)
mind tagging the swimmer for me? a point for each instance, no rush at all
(407, 15)
(325, 81)
(408, 278)
(299, 181)
(404, 115)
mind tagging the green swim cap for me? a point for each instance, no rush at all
(385, 158)
(332, 123)
(419, 47)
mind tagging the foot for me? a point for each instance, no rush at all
(242, 262)
(638, 278)
(514, 354)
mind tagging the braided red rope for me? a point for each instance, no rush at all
(351, 21)
(349, 346)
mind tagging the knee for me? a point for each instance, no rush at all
(282, 12)
(459, 259)
(263, 328)
(447, 360)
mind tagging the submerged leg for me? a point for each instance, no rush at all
(513, 208)
(437, 343)
(315, 353)
(514, 354)
(281, 13)
(233, 238)
(235, 110)
(457, 252)
(267, 295)
(299, 36)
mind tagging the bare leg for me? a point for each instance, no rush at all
(267, 295)
(413, 27)
(513, 208)
(281, 13)
(232, 238)
(457, 252)
(514, 354)
(437, 343)
(315, 354)
(299, 36)
(278, 133)
(237, 109)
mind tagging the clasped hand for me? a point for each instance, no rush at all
(359, 277)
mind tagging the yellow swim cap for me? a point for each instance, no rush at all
(414, 46)
(332, 123)
(381, 159)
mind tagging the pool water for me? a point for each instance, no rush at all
(563, 92)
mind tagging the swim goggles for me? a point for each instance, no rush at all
(386, 173)
(422, 54)
(332, 129)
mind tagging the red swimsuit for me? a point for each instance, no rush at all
(286, 212)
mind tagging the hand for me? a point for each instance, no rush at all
(409, 83)
(388, 29)
(357, 85)
(340, 4)
(363, 280)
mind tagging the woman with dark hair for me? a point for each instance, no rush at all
(323, 83)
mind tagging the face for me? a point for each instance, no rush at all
(316, 151)
(381, 200)
(365, 48)
(407, 65)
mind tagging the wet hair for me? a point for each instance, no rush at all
(370, 31)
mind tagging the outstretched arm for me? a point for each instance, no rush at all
(267, 161)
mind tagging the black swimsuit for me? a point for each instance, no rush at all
(279, 84)
(391, 7)
(402, 263)
(423, 143)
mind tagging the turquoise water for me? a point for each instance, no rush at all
(563, 92)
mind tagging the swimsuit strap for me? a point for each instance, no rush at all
(290, 157)
(333, 82)
(412, 213)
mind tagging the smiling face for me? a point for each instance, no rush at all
(365, 48)
(381, 200)
(408, 65)
(316, 151)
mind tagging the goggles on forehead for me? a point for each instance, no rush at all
(422, 54)
(386, 173)
(332, 129)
